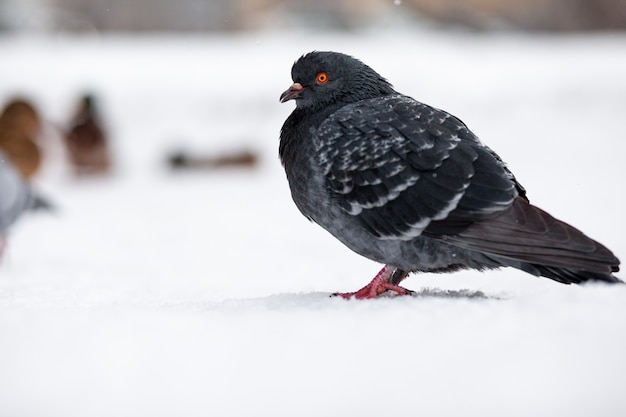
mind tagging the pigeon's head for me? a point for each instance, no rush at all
(326, 78)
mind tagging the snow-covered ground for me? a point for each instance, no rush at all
(194, 294)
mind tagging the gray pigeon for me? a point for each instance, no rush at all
(410, 186)
(15, 196)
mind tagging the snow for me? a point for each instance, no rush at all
(151, 293)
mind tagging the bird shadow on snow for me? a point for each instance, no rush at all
(462, 293)
(319, 299)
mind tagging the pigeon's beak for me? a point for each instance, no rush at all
(292, 93)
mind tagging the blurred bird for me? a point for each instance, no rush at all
(15, 197)
(185, 160)
(410, 186)
(19, 114)
(19, 129)
(86, 141)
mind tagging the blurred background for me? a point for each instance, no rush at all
(77, 16)
(86, 145)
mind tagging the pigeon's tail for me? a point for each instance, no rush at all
(528, 238)
(562, 275)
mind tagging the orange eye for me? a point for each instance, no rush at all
(321, 78)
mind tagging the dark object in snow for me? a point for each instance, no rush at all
(183, 160)
(19, 128)
(86, 141)
(410, 186)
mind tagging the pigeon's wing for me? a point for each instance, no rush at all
(400, 168)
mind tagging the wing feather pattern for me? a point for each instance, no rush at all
(399, 166)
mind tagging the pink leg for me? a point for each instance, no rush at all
(379, 285)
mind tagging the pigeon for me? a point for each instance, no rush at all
(15, 197)
(410, 186)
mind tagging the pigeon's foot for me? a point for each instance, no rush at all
(386, 280)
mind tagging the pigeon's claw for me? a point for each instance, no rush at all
(379, 285)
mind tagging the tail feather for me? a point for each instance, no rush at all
(568, 276)
(528, 238)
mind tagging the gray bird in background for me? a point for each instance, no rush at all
(410, 186)
(15, 197)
